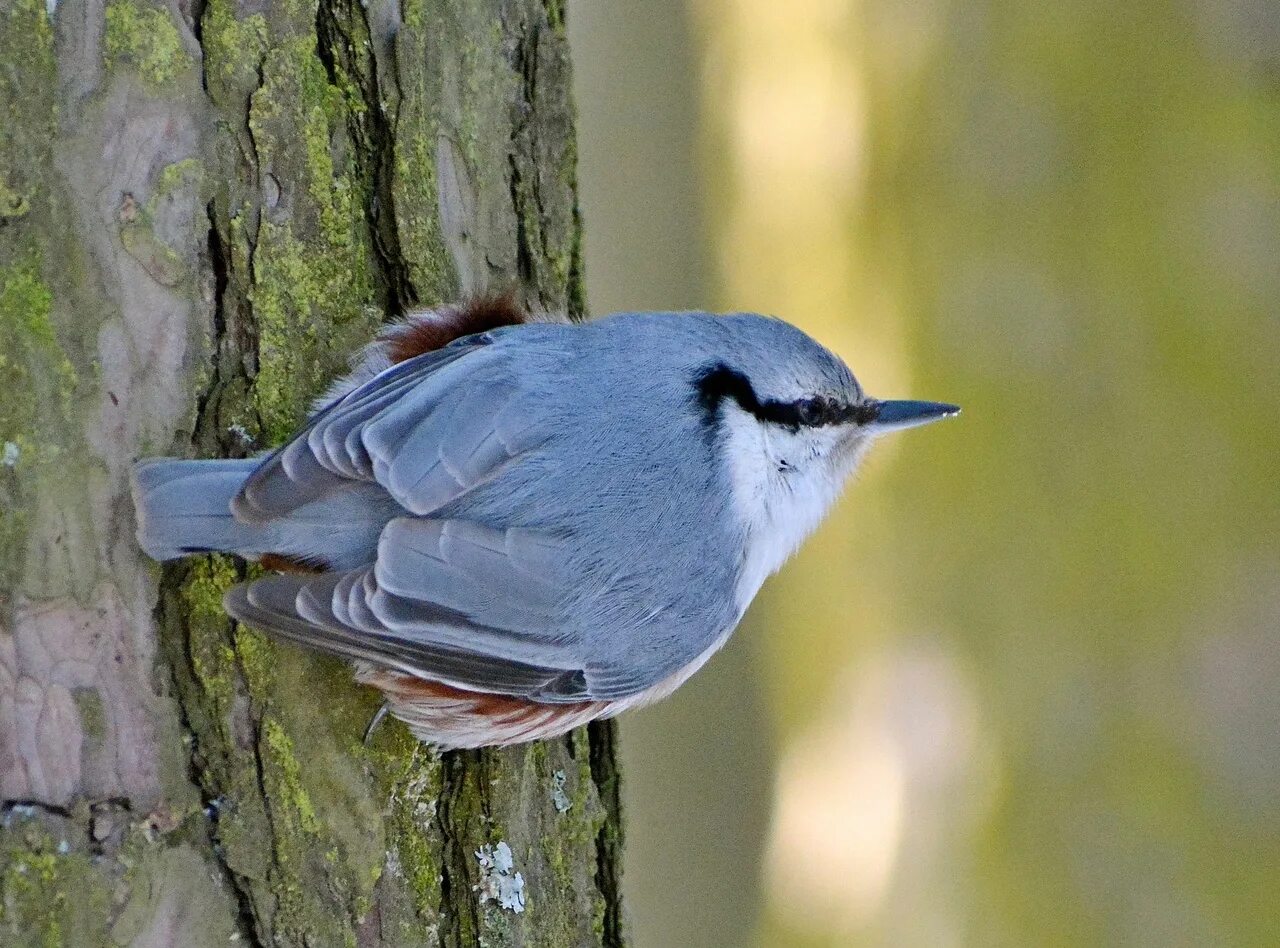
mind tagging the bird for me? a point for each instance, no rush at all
(514, 527)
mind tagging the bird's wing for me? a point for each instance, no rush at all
(450, 601)
(427, 430)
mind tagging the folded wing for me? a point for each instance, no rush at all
(427, 430)
(449, 601)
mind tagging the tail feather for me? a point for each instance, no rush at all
(184, 507)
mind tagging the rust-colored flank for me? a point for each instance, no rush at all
(429, 331)
(447, 713)
(482, 704)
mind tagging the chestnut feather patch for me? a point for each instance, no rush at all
(500, 707)
(453, 717)
(281, 563)
(432, 330)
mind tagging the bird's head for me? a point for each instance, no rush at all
(791, 423)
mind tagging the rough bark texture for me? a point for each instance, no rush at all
(204, 207)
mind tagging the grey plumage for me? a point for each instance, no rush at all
(542, 511)
(182, 507)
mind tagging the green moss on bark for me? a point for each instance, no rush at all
(13, 204)
(50, 894)
(234, 47)
(40, 384)
(146, 38)
(29, 34)
(294, 816)
(312, 263)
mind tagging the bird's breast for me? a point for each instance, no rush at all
(777, 507)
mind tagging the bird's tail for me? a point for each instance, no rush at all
(184, 507)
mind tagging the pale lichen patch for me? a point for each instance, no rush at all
(499, 880)
(559, 798)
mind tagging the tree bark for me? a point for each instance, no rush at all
(205, 207)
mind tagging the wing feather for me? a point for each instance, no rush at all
(428, 430)
(433, 644)
(330, 450)
(426, 459)
(484, 611)
(488, 574)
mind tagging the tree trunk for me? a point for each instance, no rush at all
(204, 208)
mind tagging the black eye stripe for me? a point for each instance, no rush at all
(717, 382)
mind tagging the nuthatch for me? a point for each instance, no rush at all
(515, 528)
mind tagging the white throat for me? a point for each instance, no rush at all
(783, 485)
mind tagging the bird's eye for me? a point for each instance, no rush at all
(811, 411)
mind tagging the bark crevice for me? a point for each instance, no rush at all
(169, 625)
(609, 838)
(344, 43)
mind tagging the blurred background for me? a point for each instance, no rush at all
(1023, 688)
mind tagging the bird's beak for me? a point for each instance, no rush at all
(897, 415)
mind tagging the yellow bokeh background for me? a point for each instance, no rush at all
(1023, 688)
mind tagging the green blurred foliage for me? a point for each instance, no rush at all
(1075, 210)
(1044, 638)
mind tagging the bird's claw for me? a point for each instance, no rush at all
(375, 721)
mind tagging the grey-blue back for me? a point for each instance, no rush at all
(629, 475)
